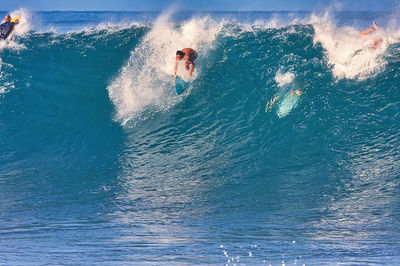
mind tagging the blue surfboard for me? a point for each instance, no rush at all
(180, 85)
(287, 104)
(290, 98)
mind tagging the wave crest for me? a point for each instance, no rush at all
(146, 81)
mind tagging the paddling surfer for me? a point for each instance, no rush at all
(6, 27)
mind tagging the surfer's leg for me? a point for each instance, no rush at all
(269, 105)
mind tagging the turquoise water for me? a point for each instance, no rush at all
(102, 163)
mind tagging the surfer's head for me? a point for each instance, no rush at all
(179, 55)
(7, 18)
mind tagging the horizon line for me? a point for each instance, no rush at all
(157, 11)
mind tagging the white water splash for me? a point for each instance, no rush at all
(350, 55)
(283, 78)
(146, 81)
(24, 24)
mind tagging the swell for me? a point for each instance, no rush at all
(224, 113)
(59, 86)
(73, 123)
(54, 100)
(332, 161)
(341, 129)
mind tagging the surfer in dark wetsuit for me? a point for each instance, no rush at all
(189, 55)
(6, 27)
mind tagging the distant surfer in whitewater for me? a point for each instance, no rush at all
(189, 55)
(374, 28)
(6, 27)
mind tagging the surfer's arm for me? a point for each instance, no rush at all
(271, 103)
(366, 32)
(191, 69)
(175, 68)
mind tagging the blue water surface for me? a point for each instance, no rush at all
(87, 177)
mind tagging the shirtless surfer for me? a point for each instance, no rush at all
(370, 30)
(189, 55)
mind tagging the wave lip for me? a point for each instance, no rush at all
(350, 55)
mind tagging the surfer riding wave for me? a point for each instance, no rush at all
(189, 55)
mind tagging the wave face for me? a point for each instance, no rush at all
(101, 162)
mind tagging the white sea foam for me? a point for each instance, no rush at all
(283, 78)
(350, 55)
(146, 80)
(5, 86)
(24, 24)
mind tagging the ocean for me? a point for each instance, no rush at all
(101, 163)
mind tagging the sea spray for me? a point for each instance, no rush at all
(214, 177)
(350, 55)
(146, 79)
